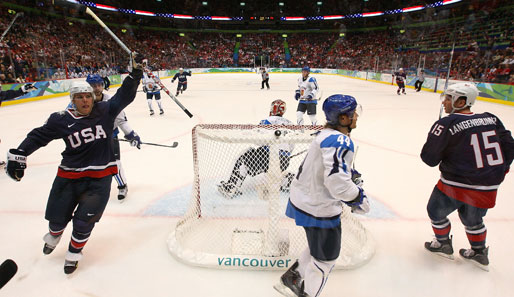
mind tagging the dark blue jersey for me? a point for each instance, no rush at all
(182, 77)
(474, 152)
(401, 77)
(10, 94)
(88, 139)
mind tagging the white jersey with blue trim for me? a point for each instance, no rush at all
(150, 84)
(308, 89)
(324, 180)
(278, 120)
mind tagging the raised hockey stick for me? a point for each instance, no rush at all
(173, 145)
(19, 14)
(82, 8)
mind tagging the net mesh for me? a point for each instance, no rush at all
(239, 196)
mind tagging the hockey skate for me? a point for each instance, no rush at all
(291, 283)
(162, 111)
(50, 243)
(151, 112)
(177, 93)
(228, 190)
(71, 262)
(477, 257)
(443, 249)
(122, 192)
(398, 92)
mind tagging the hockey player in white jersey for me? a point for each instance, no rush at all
(151, 88)
(97, 82)
(306, 95)
(256, 160)
(323, 183)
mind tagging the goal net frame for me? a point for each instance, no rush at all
(270, 242)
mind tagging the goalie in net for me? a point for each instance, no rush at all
(236, 216)
(255, 161)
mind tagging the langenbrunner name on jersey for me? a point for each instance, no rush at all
(472, 123)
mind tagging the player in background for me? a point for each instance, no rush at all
(151, 88)
(256, 160)
(420, 80)
(121, 122)
(265, 78)
(105, 77)
(82, 186)
(474, 153)
(307, 95)
(11, 94)
(181, 75)
(401, 77)
(324, 183)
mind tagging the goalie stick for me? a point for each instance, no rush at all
(173, 145)
(82, 8)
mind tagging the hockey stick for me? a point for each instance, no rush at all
(19, 14)
(173, 145)
(82, 8)
(297, 154)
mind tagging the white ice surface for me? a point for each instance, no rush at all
(127, 253)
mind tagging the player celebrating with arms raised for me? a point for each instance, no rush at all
(323, 182)
(83, 183)
(307, 95)
(474, 152)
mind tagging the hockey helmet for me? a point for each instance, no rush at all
(306, 68)
(339, 104)
(401, 69)
(278, 108)
(181, 69)
(80, 87)
(456, 91)
(94, 79)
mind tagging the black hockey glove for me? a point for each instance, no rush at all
(16, 164)
(297, 95)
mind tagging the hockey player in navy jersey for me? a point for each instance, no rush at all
(474, 153)
(401, 77)
(121, 122)
(181, 75)
(11, 94)
(82, 186)
(306, 95)
(256, 160)
(323, 185)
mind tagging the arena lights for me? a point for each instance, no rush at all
(281, 4)
(284, 35)
(239, 35)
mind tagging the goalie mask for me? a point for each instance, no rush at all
(278, 108)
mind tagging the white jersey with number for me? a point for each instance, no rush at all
(308, 87)
(324, 179)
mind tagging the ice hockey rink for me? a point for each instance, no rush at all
(127, 254)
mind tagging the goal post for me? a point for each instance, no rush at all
(236, 216)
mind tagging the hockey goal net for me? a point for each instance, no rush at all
(236, 218)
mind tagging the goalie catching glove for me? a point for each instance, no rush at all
(134, 139)
(360, 204)
(16, 164)
(357, 178)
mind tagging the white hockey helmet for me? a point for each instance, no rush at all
(456, 91)
(181, 69)
(401, 69)
(81, 87)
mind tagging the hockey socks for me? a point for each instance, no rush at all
(476, 236)
(52, 238)
(442, 229)
(159, 104)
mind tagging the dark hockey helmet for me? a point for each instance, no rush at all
(278, 108)
(339, 104)
(306, 68)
